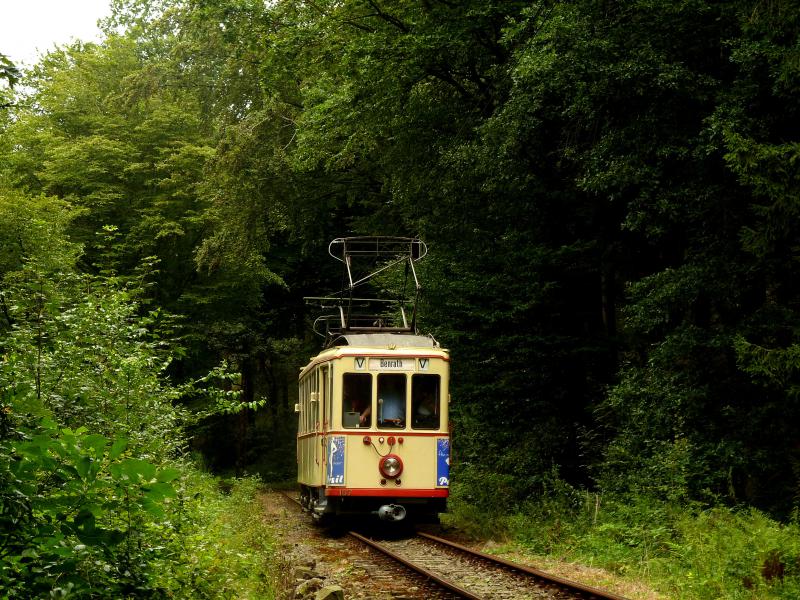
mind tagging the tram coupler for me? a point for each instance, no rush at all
(392, 512)
(318, 506)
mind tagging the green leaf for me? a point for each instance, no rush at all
(116, 470)
(96, 442)
(135, 469)
(168, 474)
(159, 491)
(48, 424)
(118, 447)
(153, 507)
(83, 466)
(85, 519)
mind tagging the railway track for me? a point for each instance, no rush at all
(466, 573)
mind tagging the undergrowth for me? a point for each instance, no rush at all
(227, 551)
(684, 552)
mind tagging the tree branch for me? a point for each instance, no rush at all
(388, 18)
(350, 22)
(446, 77)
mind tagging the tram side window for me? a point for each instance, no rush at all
(425, 404)
(304, 406)
(391, 400)
(356, 400)
(328, 399)
(311, 387)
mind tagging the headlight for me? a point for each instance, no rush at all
(391, 466)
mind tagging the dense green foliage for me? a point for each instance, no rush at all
(97, 498)
(608, 191)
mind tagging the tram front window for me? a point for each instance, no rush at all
(356, 400)
(391, 401)
(425, 406)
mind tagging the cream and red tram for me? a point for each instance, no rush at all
(395, 459)
(373, 431)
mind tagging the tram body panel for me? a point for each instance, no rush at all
(360, 466)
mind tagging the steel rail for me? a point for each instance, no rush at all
(449, 585)
(567, 583)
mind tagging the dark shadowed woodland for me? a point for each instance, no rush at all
(610, 195)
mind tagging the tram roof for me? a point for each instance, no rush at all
(381, 343)
(388, 339)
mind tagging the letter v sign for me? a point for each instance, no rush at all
(360, 362)
(423, 364)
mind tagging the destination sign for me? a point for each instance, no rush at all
(388, 363)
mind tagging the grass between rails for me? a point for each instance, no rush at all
(682, 553)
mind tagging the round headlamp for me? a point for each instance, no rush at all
(391, 466)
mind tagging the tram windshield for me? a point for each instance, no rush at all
(391, 400)
(425, 405)
(356, 400)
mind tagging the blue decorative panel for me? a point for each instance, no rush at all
(335, 460)
(442, 462)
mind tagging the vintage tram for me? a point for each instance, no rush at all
(373, 430)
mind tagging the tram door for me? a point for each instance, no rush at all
(320, 422)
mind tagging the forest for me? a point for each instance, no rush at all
(609, 195)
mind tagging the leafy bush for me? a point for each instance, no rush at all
(724, 553)
(82, 518)
(77, 513)
(96, 499)
(479, 501)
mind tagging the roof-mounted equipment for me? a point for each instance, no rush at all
(363, 260)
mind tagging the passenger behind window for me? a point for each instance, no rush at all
(391, 401)
(357, 400)
(425, 401)
(425, 411)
